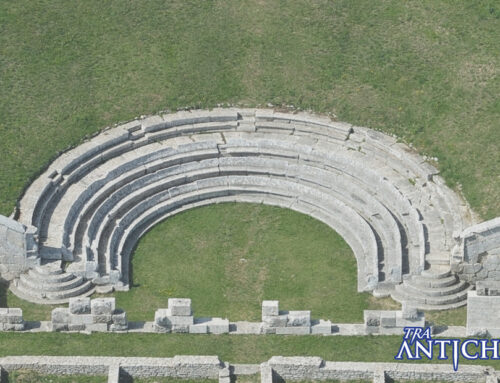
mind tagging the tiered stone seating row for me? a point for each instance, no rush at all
(95, 201)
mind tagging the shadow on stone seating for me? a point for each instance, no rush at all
(4, 286)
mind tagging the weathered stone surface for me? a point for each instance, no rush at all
(483, 314)
(120, 318)
(299, 318)
(276, 320)
(79, 305)
(103, 306)
(293, 330)
(270, 308)
(321, 327)
(60, 315)
(164, 317)
(180, 306)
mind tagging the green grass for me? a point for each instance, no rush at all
(231, 348)
(229, 257)
(28, 376)
(427, 71)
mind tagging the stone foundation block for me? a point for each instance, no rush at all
(180, 306)
(120, 319)
(79, 305)
(180, 329)
(101, 318)
(116, 327)
(164, 317)
(321, 327)
(97, 327)
(59, 326)
(270, 308)
(218, 326)
(293, 330)
(102, 306)
(60, 315)
(82, 319)
(13, 316)
(371, 318)
(12, 326)
(275, 321)
(76, 327)
(198, 328)
(299, 318)
(161, 329)
(388, 319)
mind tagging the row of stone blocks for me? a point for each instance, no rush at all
(11, 319)
(178, 318)
(84, 314)
(279, 322)
(389, 322)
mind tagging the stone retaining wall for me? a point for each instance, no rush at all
(478, 249)
(276, 369)
(18, 248)
(84, 314)
(11, 319)
(314, 368)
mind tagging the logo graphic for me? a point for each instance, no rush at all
(418, 342)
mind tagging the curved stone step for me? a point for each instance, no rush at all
(442, 291)
(52, 298)
(401, 294)
(49, 278)
(46, 287)
(425, 282)
(53, 268)
(436, 274)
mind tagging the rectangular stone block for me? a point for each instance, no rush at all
(97, 327)
(299, 318)
(76, 327)
(483, 313)
(120, 319)
(371, 318)
(13, 326)
(117, 327)
(321, 327)
(60, 315)
(79, 305)
(80, 319)
(294, 330)
(180, 329)
(59, 327)
(102, 306)
(180, 306)
(101, 318)
(198, 328)
(275, 321)
(164, 317)
(270, 308)
(388, 318)
(218, 326)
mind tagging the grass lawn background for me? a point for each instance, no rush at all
(427, 71)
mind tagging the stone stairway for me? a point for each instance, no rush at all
(50, 284)
(435, 289)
